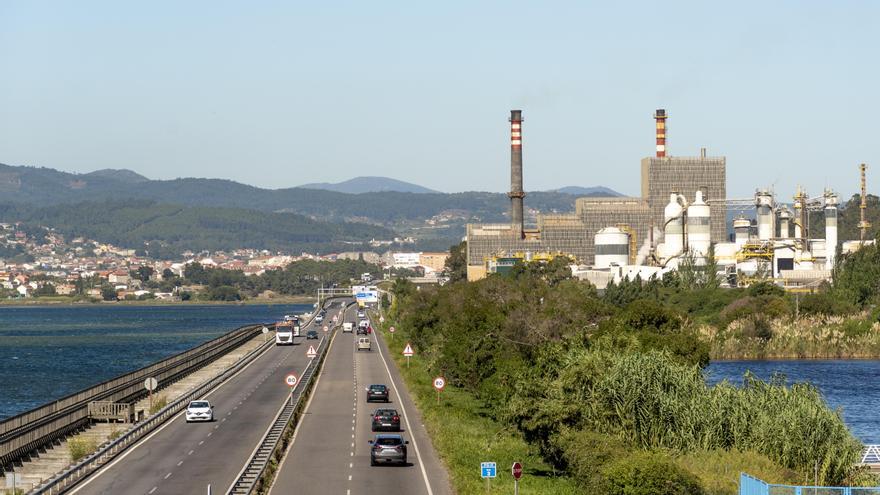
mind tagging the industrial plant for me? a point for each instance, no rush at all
(681, 219)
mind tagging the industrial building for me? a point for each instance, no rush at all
(574, 234)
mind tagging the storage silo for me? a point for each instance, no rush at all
(612, 247)
(784, 220)
(672, 227)
(830, 228)
(741, 226)
(699, 235)
(764, 206)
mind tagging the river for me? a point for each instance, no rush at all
(847, 384)
(48, 352)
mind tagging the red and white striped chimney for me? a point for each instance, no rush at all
(660, 117)
(516, 193)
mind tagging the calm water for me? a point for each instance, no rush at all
(850, 385)
(49, 352)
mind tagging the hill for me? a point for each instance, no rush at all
(599, 191)
(165, 231)
(360, 185)
(122, 175)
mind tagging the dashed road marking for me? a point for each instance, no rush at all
(167, 476)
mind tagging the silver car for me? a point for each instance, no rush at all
(199, 410)
(388, 449)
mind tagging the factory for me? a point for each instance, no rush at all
(680, 219)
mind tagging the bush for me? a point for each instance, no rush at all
(647, 473)
(81, 447)
(766, 289)
(585, 452)
(824, 303)
(158, 403)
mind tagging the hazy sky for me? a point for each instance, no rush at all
(278, 94)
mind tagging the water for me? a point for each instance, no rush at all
(49, 352)
(849, 385)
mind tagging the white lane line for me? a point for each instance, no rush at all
(190, 452)
(179, 463)
(154, 489)
(412, 437)
(350, 465)
(349, 477)
(201, 442)
(166, 425)
(167, 476)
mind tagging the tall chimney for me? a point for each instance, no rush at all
(660, 117)
(516, 193)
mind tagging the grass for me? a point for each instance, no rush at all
(159, 402)
(464, 435)
(81, 447)
(718, 470)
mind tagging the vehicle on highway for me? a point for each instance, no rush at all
(362, 313)
(364, 344)
(199, 410)
(319, 318)
(312, 334)
(386, 420)
(348, 327)
(363, 327)
(377, 393)
(284, 333)
(388, 448)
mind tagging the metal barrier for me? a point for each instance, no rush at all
(749, 485)
(871, 454)
(28, 431)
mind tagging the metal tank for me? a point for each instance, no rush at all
(741, 226)
(784, 221)
(672, 230)
(830, 228)
(764, 206)
(612, 247)
(699, 235)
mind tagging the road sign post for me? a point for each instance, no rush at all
(265, 334)
(439, 383)
(516, 470)
(150, 384)
(391, 330)
(311, 353)
(488, 470)
(408, 352)
(291, 381)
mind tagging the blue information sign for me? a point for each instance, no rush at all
(488, 470)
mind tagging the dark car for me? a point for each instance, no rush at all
(387, 449)
(376, 393)
(312, 334)
(386, 420)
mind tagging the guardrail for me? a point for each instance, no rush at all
(28, 431)
(251, 479)
(871, 454)
(68, 478)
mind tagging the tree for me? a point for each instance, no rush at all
(108, 293)
(456, 264)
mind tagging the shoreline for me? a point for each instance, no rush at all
(11, 303)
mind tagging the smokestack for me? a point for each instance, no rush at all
(660, 117)
(516, 193)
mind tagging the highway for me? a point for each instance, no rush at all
(330, 453)
(182, 457)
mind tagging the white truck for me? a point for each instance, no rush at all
(348, 327)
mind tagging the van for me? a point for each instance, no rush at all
(364, 344)
(347, 327)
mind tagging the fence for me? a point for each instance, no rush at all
(749, 485)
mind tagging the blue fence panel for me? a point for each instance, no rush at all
(752, 486)
(749, 485)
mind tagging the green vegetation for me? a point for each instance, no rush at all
(608, 390)
(165, 231)
(81, 447)
(159, 402)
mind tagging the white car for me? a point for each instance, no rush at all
(362, 313)
(199, 410)
(364, 344)
(347, 327)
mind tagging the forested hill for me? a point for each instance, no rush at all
(167, 230)
(45, 186)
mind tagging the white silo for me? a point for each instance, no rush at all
(764, 206)
(698, 235)
(741, 226)
(830, 228)
(672, 230)
(612, 248)
(784, 220)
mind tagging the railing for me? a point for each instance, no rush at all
(749, 485)
(105, 409)
(33, 429)
(253, 477)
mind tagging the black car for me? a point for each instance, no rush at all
(377, 393)
(312, 334)
(386, 420)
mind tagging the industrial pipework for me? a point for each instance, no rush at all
(516, 193)
(660, 117)
(864, 224)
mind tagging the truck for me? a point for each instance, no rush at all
(347, 327)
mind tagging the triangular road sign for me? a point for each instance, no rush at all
(311, 352)
(408, 351)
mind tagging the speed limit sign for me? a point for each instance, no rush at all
(326, 328)
(290, 380)
(391, 329)
(439, 383)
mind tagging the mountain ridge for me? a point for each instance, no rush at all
(366, 184)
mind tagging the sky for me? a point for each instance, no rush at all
(278, 94)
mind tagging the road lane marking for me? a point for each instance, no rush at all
(154, 489)
(412, 436)
(167, 476)
(190, 452)
(201, 442)
(167, 424)
(179, 463)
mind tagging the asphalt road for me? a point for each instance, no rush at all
(183, 457)
(330, 453)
